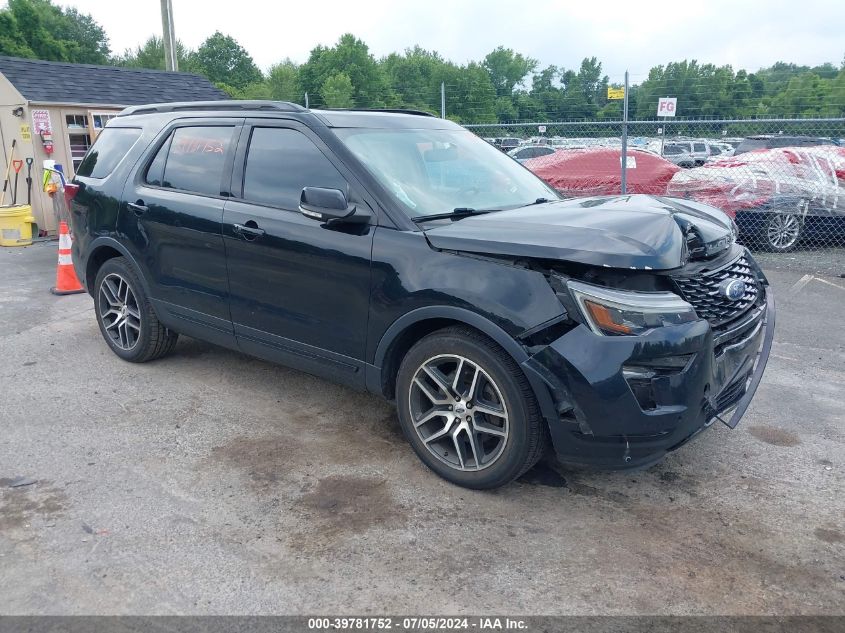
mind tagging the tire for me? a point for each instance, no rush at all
(781, 232)
(126, 318)
(482, 441)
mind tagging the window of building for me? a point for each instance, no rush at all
(76, 121)
(99, 120)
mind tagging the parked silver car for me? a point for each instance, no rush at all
(694, 153)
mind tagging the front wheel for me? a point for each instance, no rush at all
(126, 318)
(782, 231)
(467, 409)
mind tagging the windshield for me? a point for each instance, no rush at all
(436, 171)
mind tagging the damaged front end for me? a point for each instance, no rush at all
(642, 361)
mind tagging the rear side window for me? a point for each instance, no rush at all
(280, 163)
(111, 146)
(192, 159)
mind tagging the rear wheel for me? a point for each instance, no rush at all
(468, 410)
(126, 318)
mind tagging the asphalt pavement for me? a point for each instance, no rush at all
(209, 482)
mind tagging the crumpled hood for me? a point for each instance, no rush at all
(636, 231)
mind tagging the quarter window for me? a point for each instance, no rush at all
(109, 149)
(192, 159)
(280, 163)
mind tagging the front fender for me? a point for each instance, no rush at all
(374, 377)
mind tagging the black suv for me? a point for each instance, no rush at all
(401, 254)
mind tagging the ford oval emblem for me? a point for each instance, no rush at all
(732, 289)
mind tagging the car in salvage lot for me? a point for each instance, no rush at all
(527, 152)
(779, 197)
(497, 316)
(596, 171)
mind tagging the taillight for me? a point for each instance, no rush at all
(70, 191)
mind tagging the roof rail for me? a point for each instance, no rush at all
(391, 110)
(188, 106)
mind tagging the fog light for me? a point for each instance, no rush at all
(642, 376)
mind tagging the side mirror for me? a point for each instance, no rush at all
(327, 205)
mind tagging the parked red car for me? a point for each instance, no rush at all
(597, 171)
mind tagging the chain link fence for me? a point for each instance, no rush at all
(782, 180)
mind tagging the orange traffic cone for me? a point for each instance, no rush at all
(66, 280)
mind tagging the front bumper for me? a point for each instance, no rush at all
(602, 413)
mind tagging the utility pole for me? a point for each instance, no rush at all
(169, 36)
(442, 99)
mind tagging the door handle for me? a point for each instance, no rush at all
(138, 207)
(248, 231)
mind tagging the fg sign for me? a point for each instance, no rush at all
(667, 106)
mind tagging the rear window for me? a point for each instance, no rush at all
(699, 147)
(111, 146)
(670, 150)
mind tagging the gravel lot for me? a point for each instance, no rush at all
(210, 483)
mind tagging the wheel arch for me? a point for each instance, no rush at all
(414, 325)
(411, 327)
(100, 251)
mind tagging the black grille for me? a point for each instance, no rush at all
(702, 291)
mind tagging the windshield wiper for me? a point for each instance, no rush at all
(459, 212)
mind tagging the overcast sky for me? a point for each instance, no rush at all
(634, 35)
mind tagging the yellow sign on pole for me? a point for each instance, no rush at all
(615, 93)
(26, 135)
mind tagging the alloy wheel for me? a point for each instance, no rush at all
(783, 230)
(119, 312)
(458, 412)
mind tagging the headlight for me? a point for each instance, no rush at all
(612, 312)
(734, 230)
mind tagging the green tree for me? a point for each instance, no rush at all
(804, 95)
(337, 91)
(12, 41)
(414, 79)
(92, 43)
(151, 55)
(834, 102)
(283, 82)
(223, 60)
(507, 69)
(42, 30)
(350, 56)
